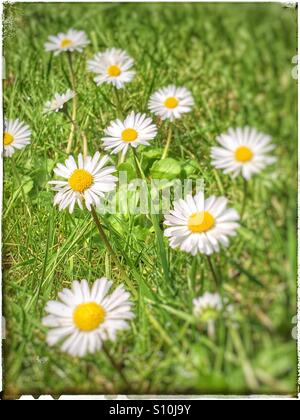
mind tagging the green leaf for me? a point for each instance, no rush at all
(166, 169)
(27, 184)
(281, 357)
(152, 154)
(149, 157)
(189, 168)
(129, 168)
(41, 176)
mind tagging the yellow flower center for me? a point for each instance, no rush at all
(129, 134)
(201, 222)
(7, 139)
(66, 43)
(80, 180)
(114, 71)
(88, 316)
(243, 154)
(171, 102)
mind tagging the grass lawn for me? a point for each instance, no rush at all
(237, 61)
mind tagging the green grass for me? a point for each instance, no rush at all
(237, 60)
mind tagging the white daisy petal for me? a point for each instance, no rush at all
(112, 66)
(58, 309)
(171, 102)
(70, 41)
(68, 298)
(207, 307)
(58, 334)
(55, 321)
(58, 102)
(100, 289)
(87, 182)
(16, 136)
(136, 129)
(200, 226)
(87, 316)
(243, 151)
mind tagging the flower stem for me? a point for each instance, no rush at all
(70, 61)
(82, 134)
(103, 236)
(138, 167)
(121, 158)
(74, 104)
(118, 104)
(248, 370)
(117, 367)
(84, 144)
(211, 329)
(245, 195)
(213, 271)
(110, 249)
(167, 146)
(155, 221)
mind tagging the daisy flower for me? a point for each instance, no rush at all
(135, 130)
(71, 41)
(243, 151)
(16, 136)
(171, 102)
(112, 66)
(85, 317)
(86, 182)
(207, 307)
(197, 225)
(58, 102)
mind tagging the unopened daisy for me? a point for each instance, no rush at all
(85, 317)
(243, 151)
(197, 225)
(70, 41)
(207, 307)
(58, 102)
(16, 136)
(112, 66)
(171, 102)
(137, 129)
(86, 182)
